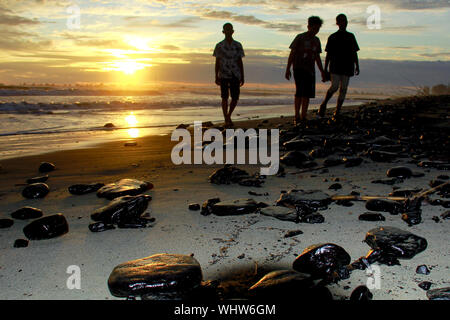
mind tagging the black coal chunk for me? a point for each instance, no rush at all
(47, 227)
(388, 181)
(46, 167)
(322, 261)
(282, 284)
(122, 209)
(37, 179)
(194, 206)
(157, 277)
(395, 242)
(352, 161)
(311, 198)
(294, 158)
(335, 186)
(80, 189)
(292, 233)
(361, 293)
(422, 269)
(124, 187)
(412, 212)
(371, 216)
(6, 223)
(234, 207)
(382, 156)
(100, 226)
(439, 294)
(21, 243)
(35, 190)
(399, 172)
(25, 213)
(425, 285)
(384, 205)
(227, 175)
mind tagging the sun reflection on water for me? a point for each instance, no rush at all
(133, 132)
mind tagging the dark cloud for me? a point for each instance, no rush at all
(248, 19)
(14, 20)
(140, 22)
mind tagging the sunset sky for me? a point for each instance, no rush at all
(169, 40)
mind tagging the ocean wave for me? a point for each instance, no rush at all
(25, 107)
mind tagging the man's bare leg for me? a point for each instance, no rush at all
(297, 104)
(305, 104)
(225, 109)
(323, 106)
(233, 105)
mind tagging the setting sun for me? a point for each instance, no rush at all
(128, 66)
(131, 120)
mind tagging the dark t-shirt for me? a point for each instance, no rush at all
(306, 49)
(341, 48)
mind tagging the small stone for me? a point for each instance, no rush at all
(37, 179)
(6, 223)
(20, 243)
(399, 172)
(80, 189)
(335, 186)
(207, 206)
(35, 190)
(422, 269)
(234, 207)
(46, 227)
(109, 125)
(100, 227)
(361, 293)
(281, 213)
(384, 205)
(46, 167)
(292, 233)
(371, 216)
(194, 206)
(425, 285)
(25, 213)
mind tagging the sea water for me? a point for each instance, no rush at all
(40, 123)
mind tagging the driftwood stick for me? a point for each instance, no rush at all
(365, 198)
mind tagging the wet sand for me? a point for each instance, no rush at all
(222, 245)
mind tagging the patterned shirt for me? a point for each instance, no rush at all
(229, 54)
(306, 50)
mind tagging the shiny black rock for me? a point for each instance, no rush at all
(6, 223)
(46, 167)
(47, 227)
(160, 276)
(122, 209)
(79, 189)
(371, 216)
(395, 242)
(322, 260)
(25, 213)
(35, 190)
(399, 172)
(124, 187)
(361, 293)
(384, 205)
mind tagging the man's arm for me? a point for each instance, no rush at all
(319, 64)
(217, 67)
(327, 62)
(241, 68)
(289, 64)
(356, 63)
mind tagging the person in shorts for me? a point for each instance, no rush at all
(229, 71)
(305, 53)
(342, 58)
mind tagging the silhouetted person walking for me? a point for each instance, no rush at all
(342, 57)
(229, 71)
(305, 53)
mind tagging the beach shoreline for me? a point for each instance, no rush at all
(223, 245)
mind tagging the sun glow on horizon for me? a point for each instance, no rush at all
(131, 120)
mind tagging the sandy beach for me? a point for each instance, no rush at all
(223, 245)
